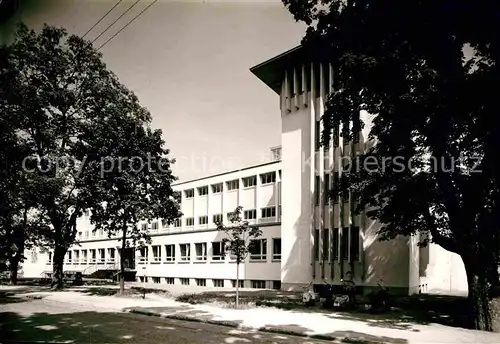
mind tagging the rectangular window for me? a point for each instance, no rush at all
(317, 134)
(184, 281)
(344, 243)
(185, 252)
(276, 248)
(203, 191)
(201, 250)
(154, 226)
(326, 241)
(277, 285)
(201, 282)
(86, 234)
(217, 188)
(336, 186)
(164, 223)
(249, 181)
(256, 284)
(170, 253)
(143, 255)
(327, 188)
(102, 256)
(240, 283)
(177, 222)
(335, 244)
(258, 249)
(218, 251)
(250, 214)
(316, 190)
(268, 212)
(233, 185)
(189, 221)
(156, 280)
(268, 178)
(203, 220)
(354, 243)
(189, 193)
(336, 135)
(217, 218)
(101, 232)
(316, 244)
(170, 280)
(156, 253)
(218, 283)
(144, 227)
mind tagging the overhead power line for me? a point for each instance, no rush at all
(125, 26)
(102, 18)
(113, 23)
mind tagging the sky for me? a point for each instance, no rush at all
(188, 62)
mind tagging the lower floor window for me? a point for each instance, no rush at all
(201, 282)
(169, 280)
(277, 285)
(258, 284)
(185, 281)
(218, 283)
(156, 279)
(240, 284)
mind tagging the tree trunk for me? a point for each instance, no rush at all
(479, 298)
(14, 267)
(57, 268)
(237, 284)
(122, 263)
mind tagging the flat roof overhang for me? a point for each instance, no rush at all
(272, 71)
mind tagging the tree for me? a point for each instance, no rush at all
(427, 71)
(62, 91)
(133, 183)
(239, 240)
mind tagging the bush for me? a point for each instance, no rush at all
(193, 299)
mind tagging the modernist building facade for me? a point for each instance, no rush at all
(306, 236)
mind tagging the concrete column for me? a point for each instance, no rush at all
(321, 169)
(312, 153)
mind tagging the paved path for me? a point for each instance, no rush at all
(335, 325)
(39, 321)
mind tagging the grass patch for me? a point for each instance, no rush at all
(247, 299)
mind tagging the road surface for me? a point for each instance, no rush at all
(43, 321)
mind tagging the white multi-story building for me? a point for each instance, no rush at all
(313, 239)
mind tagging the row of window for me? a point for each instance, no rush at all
(218, 283)
(249, 214)
(258, 251)
(344, 244)
(265, 178)
(326, 188)
(335, 135)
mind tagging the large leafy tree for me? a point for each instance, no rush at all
(61, 92)
(133, 183)
(427, 71)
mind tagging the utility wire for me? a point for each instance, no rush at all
(113, 23)
(102, 18)
(130, 22)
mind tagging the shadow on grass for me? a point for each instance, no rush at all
(406, 311)
(94, 327)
